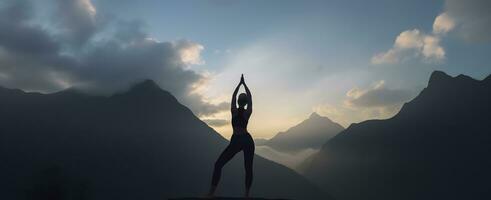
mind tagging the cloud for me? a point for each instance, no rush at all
(413, 44)
(374, 102)
(409, 39)
(216, 122)
(28, 54)
(432, 49)
(443, 24)
(34, 58)
(190, 52)
(377, 96)
(472, 18)
(17, 35)
(76, 19)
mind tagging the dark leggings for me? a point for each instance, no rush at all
(237, 143)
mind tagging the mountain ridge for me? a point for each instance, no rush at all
(137, 144)
(426, 151)
(310, 133)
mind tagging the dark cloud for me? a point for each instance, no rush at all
(34, 58)
(130, 30)
(473, 18)
(216, 122)
(76, 19)
(29, 56)
(378, 96)
(17, 35)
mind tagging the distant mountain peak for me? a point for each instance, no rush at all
(147, 88)
(310, 133)
(439, 76)
(465, 78)
(314, 115)
(147, 84)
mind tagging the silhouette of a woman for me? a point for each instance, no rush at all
(241, 139)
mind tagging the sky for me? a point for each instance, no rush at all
(349, 60)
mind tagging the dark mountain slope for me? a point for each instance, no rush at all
(311, 133)
(437, 147)
(140, 144)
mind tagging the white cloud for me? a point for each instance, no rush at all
(88, 7)
(432, 49)
(443, 24)
(389, 57)
(376, 101)
(378, 95)
(409, 39)
(412, 43)
(190, 52)
(471, 19)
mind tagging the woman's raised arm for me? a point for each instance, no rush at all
(249, 96)
(233, 104)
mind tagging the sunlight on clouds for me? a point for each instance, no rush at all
(412, 43)
(336, 113)
(374, 102)
(286, 84)
(409, 39)
(279, 102)
(345, 114)
(201, 86)
(432, 48)
(443, 24)
(471, 18)
(377, 95)
(389, 57)
(190, 52)
(60, 80)
(88, 6)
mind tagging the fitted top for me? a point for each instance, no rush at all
(239, 120)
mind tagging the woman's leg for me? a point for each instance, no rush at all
(226, 155)
(248, 159)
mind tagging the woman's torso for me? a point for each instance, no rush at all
(240, 119)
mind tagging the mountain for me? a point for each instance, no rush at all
(260, 141)
(437, 147)
(292, 147)
(138, 144)
(311, 133)
(290, 159)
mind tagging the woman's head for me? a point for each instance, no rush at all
(243, 100)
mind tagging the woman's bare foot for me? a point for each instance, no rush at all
(209, 196)
(211, 193)
(246, 195)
